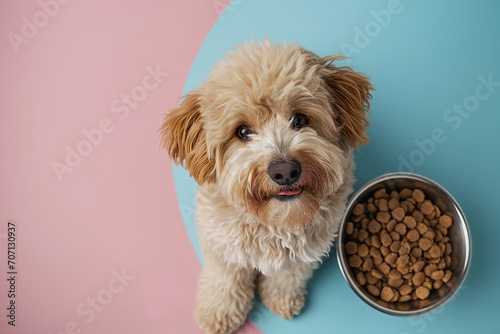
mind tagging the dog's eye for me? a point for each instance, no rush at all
(242, 133)
(299, 121)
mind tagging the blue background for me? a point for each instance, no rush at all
(428, 57)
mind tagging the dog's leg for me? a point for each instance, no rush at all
(225, 295)
(284, 292)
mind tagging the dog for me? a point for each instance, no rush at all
(268, 137)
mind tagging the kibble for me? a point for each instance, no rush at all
(418, 279)
(383, 216)
(447, 249)
(405, 193)
(437, 275)
(373, 290)
(445, 221)
(391, 258)
(381, 193)
(422, 228)
(394, 274)
(435, 251)
(442, 229)
(405, 290)
(385, 251)
(418, 266)
(398, 247)
(394, 195)
(410, 222)
(400, 228)
(437, 211)
(375, 240)
(429, 269)
(374, 226)
(387, 294)
(393, 204)
(370, 279)
(390, 225)
(404, 249)
(413, 235)
(422, 292)
(404, 269)
(418, 195)
(427, 207)
(395, 282)
(377, 274)
(395, 246)
(395, 236)
(367, 264)
(385, 239)
(355, 261)
(402, 261)
(419, 216)
(447, 276)
(430, 234)
(351, 248)
(384, 268)
(360, 277)
(438, 237)
(416, 252)
(424, 244)
(363, 250)
(371, 207)
(358, 210)
(404, 306)
(398, 213)
(362, 235)
(383, 204)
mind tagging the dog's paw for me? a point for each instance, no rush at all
(219, 321)
(285, 306)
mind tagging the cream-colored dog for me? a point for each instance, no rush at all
(268, 137)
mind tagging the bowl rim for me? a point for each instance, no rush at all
(343, 265)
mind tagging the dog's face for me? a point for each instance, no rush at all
(271, 126)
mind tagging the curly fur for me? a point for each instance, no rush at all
(250, 238)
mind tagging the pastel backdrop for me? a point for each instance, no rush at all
(101, 247)
(106, 240)
(435, 112)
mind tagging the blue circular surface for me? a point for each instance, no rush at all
(435, 112)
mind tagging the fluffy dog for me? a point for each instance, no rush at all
(269, 138)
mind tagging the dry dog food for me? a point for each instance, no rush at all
(398, 247)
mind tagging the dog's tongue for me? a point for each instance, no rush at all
(290, 192)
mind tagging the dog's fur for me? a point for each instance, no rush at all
(249, 237)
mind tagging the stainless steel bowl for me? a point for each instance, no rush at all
(459, 235)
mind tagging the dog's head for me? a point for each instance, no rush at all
(271, 126)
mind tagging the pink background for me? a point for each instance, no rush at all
(116, 210)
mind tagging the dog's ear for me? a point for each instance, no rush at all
(184, 136)
(350, 99)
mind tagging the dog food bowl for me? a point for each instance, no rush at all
(458, 234)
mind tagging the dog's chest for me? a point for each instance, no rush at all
(270, 251)
(239, 239)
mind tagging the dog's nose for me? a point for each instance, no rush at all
(284, 172)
